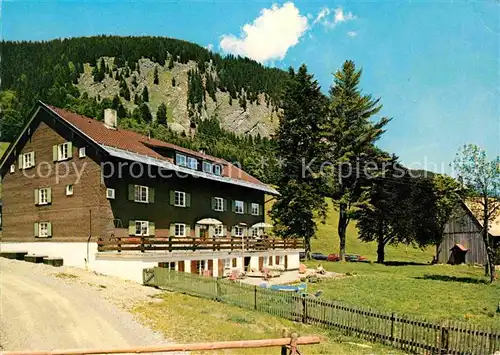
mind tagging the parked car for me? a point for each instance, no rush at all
(319, 256)
(302, 255)
(333, 257)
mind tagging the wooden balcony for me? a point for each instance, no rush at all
(215, 244)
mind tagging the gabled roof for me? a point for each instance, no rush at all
(133, 146)
(474, 207)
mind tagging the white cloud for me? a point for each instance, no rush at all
(270, 35)
(210, 47)
(352, 33)
(338, 17)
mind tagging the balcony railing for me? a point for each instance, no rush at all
(173, 244)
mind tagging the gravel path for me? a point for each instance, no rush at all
(45, 308)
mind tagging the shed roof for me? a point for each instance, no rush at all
(475, 207)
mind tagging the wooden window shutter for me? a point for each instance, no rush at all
(35, 232)
(225, 204)
(233, 231)
(33, 158)
(197, 231)
(172, 197)
(37, 195)
(181, 266)
(20, 161)
(152, 228)
(131, 227)
(131, 192)
(151, 195)
(194, 269)
(234, 262)
(224, 231)
(54, 153)
(261, 210)
(188, 230)
(70, 150)
(49, 229)
(213, 203)
(172, 229)
(49, 195)
(188, 199)
(233, 205)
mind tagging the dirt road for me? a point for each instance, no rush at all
(46, 308)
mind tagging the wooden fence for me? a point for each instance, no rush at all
(170, 244)
(404, 332)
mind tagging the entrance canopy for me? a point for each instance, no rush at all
(262, 225)
(209, 222)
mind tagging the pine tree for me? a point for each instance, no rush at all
(145, 94)
(171, 63)
(161, 114)
(173, 82)
(299, 140)
(146, 115)
(352, 136)
(156, 80)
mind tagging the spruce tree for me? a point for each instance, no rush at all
(173, 82)
(298, 141)
(146, 115)
(171, 63)
(145, 94)
(352, 135)
(161, 114)
(156, 80)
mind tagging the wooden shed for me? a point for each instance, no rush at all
(462, 237)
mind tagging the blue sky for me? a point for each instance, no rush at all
(435, 64)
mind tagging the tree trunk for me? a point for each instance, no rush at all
(436, 256)
(380, 251)
(342, 227)
(490, 260)
(307, 247)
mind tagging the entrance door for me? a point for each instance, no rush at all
(286, 262)
(194, 268)
(261, 263)
(246, 263)
(181, 266)
(211, 266)
(221, 268)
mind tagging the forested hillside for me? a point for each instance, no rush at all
(169, 88)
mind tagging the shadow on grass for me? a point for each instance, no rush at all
(404, 263)
(469, 280)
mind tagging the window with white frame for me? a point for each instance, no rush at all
(28, 160)
(43, 230)
(12, 168)
(180, 160)
(217, 170)
(110, 193)
(255, 209)
(192, 163)
(218, 204)
(82, 152)
(255, 232)
(227, 263)
(207, 167)
(141, 193)
(218, 230)
(180, 230)
(63, 152)
(180, 199)
(239, 206)
(238, 231)
(43, 196)
(141, 228)
(69, 190)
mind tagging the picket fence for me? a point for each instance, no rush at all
(404, 332)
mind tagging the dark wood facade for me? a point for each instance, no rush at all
(88, 211)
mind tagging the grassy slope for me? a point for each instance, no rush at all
(327, 241)
(186, 319)
(434, 292)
